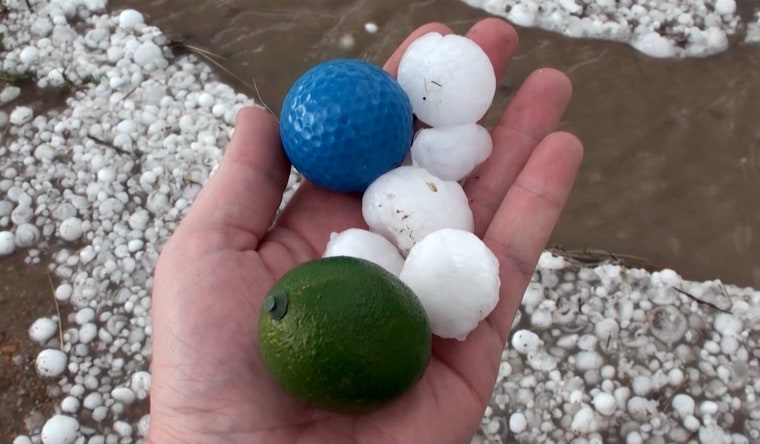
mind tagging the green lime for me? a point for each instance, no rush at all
(343, 334)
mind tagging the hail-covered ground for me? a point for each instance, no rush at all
(605, 354)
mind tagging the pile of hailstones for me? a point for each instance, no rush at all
(419, 219)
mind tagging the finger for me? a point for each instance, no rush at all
(526, 218)
(534, 112)
(237, 205)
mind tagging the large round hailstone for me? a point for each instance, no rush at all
(456, 277)
(51, 362)
(60, 429)
(449, 79)
(363, 244)
(451, 152)
(408, 203)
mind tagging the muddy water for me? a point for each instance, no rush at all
(672, 171)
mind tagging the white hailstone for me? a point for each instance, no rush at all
(641, 385)
(99, 413)
(606, 329)
(654, 45)
(123, 394)
(9, 93)
(588, 360)
(640, 408)
(63, 292)
(149, 54)
(27, 235)
(28, 55)
(727, 324)
(675, 377)
(21, 115)
(550, 261)
(449, 79)
(140, 384)
(87, 333)
(131, 19)
(456, 277)
(42, 329)
(408, 203)
(122, 428)
(605, 403)
(371, 27)
(634, 437)
(525, 341)
(22, 439)
(708, 408)
(70, 229)
(7, 243)
(92, 400)
(584, 421)
(725, 7)
(451, 152)
(517, 423)
(363, 244)
(691, 423)
(70, 404)
(143, 424)
(51, 362)
(683, 404)
(60, 429)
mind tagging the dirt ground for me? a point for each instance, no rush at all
(25, 295)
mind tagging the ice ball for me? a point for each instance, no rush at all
(456, 277)
(51, 362)
(364, 244)
(60, 429)
(449, 79)
(451, 152)
(408, 203)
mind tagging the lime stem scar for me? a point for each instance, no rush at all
(276, 304)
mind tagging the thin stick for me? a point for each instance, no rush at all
(57, 310)
(699, 301)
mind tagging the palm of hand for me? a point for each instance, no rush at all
(208, 382)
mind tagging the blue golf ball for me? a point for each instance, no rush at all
(344, 123)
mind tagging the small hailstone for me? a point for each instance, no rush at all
(27, 235)
(456, 277)
(21, 115)
(63, 292)
(408, 203)
(583, 421)
(60, 429)
(123, 394)
(371, 27)
(51, 362)
(122, 428)
(605, 403)
(346, 41)
(655, 45)
(363, 244)
(70, 229)
(149, 54)
(683, 404)
(691, 423)
(708, 408)
(28, 55)
(42, 329)
(9, 93)
(7, 243)
(641, 385)
(449, 79)
(22, 439)
(140, 383)
(451, 152)
(92, 401)
(517, 422)
(70, 404)
(588, 360)
(525, 341)
(131, 19)
(99, 413)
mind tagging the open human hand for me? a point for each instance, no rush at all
(209, 384)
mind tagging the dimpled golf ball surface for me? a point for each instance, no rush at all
(344, 123)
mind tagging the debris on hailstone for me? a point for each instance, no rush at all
(408, 203)
(364, 244)
(456, 277)
(449, 79)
